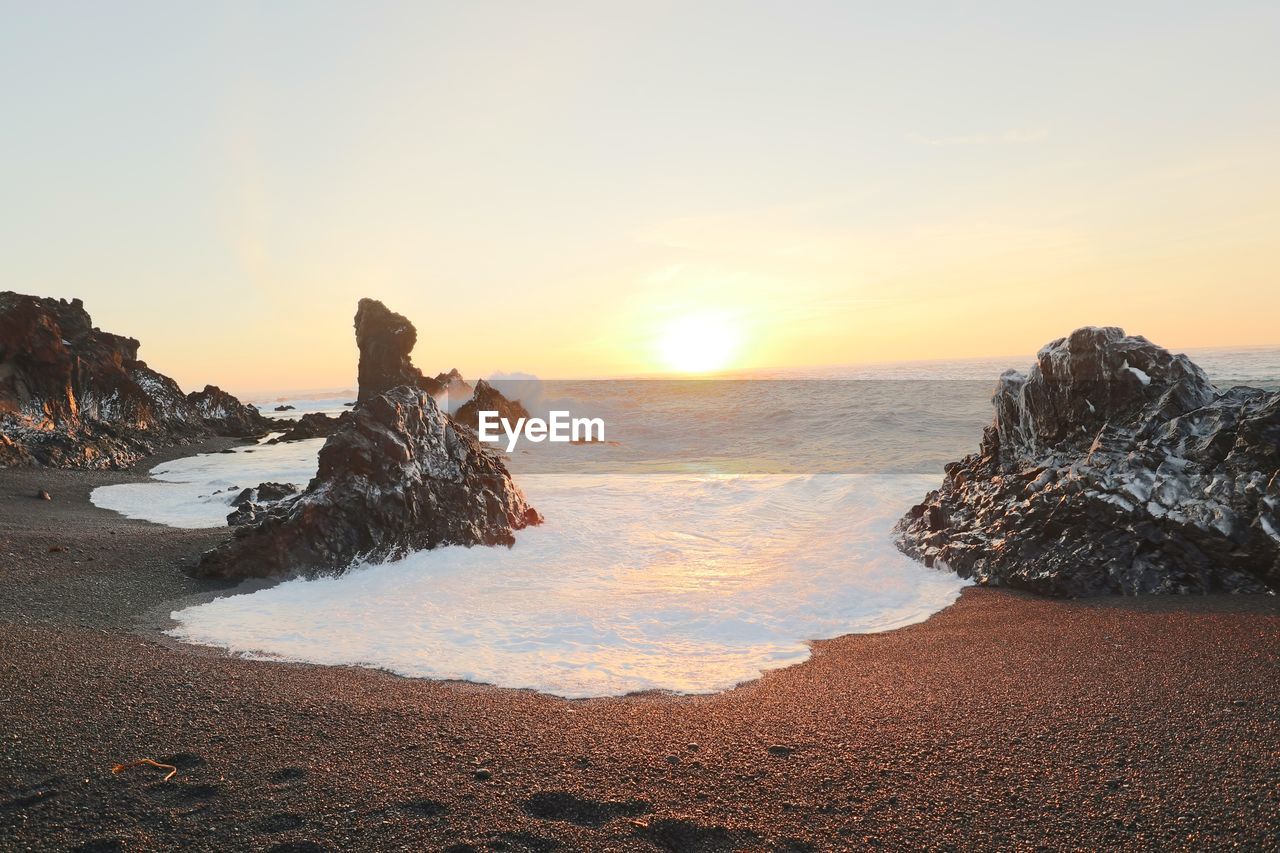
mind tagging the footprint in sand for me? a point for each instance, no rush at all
(561, 805)
(282, 822)
(286, 775)
(424, 808)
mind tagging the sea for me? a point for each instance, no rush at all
(717, 530)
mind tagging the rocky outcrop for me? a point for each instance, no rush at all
(1113, 466)
(398, 476)
(274, 491)
(385, 340)
(72, 395)
(226, 415)
(250, 504)
(489, 399)
(453, 385)
(14, 454)
(311, 425)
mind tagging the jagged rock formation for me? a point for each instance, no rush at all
(72, 395)
(398, 476)
(453, 386)
(311, 425)
(489, 399)
(226, 415)
(1112, 467)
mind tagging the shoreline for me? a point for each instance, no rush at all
(1002, 720)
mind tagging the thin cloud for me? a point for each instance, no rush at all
(1009, 137)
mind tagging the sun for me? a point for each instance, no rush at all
(699, 343)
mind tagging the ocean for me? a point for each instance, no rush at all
(718, 529)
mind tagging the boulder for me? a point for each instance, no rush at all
(1113, 466)
(226, 415)
(311, 425)
(489, 399)
(266, 492)
(251, 503)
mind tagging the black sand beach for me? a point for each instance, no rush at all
(1004, 722)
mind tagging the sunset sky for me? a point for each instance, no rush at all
(574, 189)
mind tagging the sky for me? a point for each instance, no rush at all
(576, 189)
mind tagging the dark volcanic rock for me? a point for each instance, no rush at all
(1114, 466)
(275, 491)
(312, 425)
(251, 503)
(489, 399)
(246, 513)
(226, 415)
(385, 340)
(72, 395)
(284, 408)
(398, 477)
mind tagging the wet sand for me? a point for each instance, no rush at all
(1006, 721)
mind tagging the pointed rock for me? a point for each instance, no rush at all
(385, 340)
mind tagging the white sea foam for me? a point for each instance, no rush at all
(196, 491)
(683, 583)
